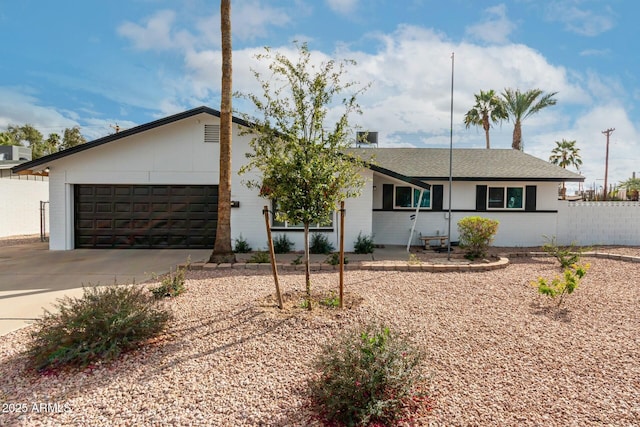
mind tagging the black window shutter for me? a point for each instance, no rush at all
(387, 197)
(481, 198)
(437, 193)
(530, 198)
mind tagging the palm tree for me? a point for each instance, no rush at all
(520, 105)
(566, 154)
(488, 108)
(222, 251)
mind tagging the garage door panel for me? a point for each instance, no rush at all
(145, 216)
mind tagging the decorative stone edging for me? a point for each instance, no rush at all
(360, 265)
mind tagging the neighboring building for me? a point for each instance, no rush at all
(155, 186)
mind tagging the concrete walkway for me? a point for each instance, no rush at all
(32, 278)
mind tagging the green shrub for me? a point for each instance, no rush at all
(282, 244)
(100, 325)
(476, 234)
(297, 260)
(171, 285)
(260, 257)
(560, 287)
(320, 244)
(332, 301)
(363, 244)
(242, 246)
(367, 376)
(334, 259)
(566, 255)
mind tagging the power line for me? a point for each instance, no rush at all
(606, 161)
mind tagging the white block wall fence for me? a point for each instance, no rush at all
(20, 206)
(599, 223)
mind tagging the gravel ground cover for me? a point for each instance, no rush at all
(499, 354)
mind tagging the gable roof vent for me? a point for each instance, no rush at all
(212, 134)
(366, 139)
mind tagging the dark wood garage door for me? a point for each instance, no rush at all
(145, 216)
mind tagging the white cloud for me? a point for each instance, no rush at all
(342, 7)
(156, 33)
(495, 28)
(583, 21)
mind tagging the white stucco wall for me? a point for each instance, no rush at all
(596, 223)
(177, 154)
(20, 206)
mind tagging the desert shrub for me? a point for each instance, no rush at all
(320, 244)
(241, 246)
(100, 325)
(363, 244)
(559, 287)
(476, 235)
(367, 376)
(260, 257)
(566, 255)
(282, 244)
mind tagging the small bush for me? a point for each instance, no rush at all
(320, 244)
(242, 246)
(334, 259)
(363, 244)
(566, 255)
(171, 285)
(260, 257)
(282, 244)
(476, 234)
(368, 376)
(332, 301)
(297, 260)
(560, 287)
(100, 325)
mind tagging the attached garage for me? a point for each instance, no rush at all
(145, 216)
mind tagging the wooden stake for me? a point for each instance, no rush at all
(341, 253)
(274, 267)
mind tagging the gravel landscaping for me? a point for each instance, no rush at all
(497, 352)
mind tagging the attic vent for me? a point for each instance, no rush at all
(212, 134)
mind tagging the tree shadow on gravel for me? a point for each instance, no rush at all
(551, 312)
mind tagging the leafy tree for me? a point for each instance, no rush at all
(31, 135)
(72, 137)
(487, 109)
(566, 154)
(520, 105)
(222, 250)
(297, 152)
(7, 139)
(51, 145)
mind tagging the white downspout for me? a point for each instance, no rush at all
(415, 219)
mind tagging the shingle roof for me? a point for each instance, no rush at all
(468, 164)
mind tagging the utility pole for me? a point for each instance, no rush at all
(606, 161)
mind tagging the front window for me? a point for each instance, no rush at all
(326, 224)
(408, 197)
(505, 198)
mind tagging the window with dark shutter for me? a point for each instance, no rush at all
(438, 195)
(481, 198)
(530, 198)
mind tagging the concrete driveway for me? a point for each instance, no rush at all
(32, 278)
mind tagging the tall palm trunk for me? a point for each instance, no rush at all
(517, 136)
(222, 251)
(486, 126)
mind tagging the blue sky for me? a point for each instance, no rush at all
(97, 63)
